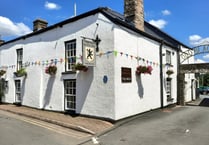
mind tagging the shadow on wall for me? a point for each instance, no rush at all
(48, 92)
(140, 86)
(84, 83)
(23, 88)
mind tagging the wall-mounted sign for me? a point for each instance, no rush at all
(126, 76)
(89, 53)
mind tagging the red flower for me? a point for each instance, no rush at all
(47, 70)
(144, 69)
(149, 69)
(51, 70)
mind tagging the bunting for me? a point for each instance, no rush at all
(57, 61)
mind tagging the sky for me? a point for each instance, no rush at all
(185, 20)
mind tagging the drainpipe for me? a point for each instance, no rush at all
(161, 74)
(178, 77)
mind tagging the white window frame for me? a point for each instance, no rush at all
(168, 57)
(18, 95)
(70, 54)
(19, 58)
(169, 89)
(70, 94)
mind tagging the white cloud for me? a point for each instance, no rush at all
(51, 6)
(195, 37)
(199, 61)
(9, 28)
(196, 40)
(206, 56)
(166, 12)
(158, 23)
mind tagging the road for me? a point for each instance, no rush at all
(187, 125)
(18, 130)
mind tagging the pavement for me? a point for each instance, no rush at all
(195, 102)
(202, 101)
(78, 123)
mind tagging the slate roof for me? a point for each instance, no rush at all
(117, 18)
(150, 30)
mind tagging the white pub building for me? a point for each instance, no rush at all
(100, 63)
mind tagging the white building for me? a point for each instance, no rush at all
(190, 83)
(110, 88)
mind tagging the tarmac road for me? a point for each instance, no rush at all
(187, 125)
(19, 130)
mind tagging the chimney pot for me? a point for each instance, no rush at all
(39, 24)
(134, 12)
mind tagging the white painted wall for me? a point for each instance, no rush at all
(173, 76)
(143, 93)
(43, 91)
(98, 99)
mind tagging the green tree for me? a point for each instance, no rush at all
(204, 79)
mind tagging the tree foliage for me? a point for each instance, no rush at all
(204, 79)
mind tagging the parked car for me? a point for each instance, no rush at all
(204, 90)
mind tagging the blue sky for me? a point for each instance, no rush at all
(185, 20)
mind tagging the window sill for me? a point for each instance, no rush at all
(170, 99)
(169, 64)
(21, 78)
(68, 72)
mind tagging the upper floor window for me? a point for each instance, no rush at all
(70, 54)
(19, 58)
(168, 57)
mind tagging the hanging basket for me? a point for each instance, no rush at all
(169, 72)
(80, 67)
(20, 73)
(144, 69)
(51, 70)
(2, 72)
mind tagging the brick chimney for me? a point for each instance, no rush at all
(39, 24)
(1, 41)
(134, 12)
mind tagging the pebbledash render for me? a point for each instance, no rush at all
(92, 64)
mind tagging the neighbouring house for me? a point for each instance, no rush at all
(190, 82)
(100, 63)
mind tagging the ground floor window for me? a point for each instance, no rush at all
(168, 88)
(70, 94)
(18, 97)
